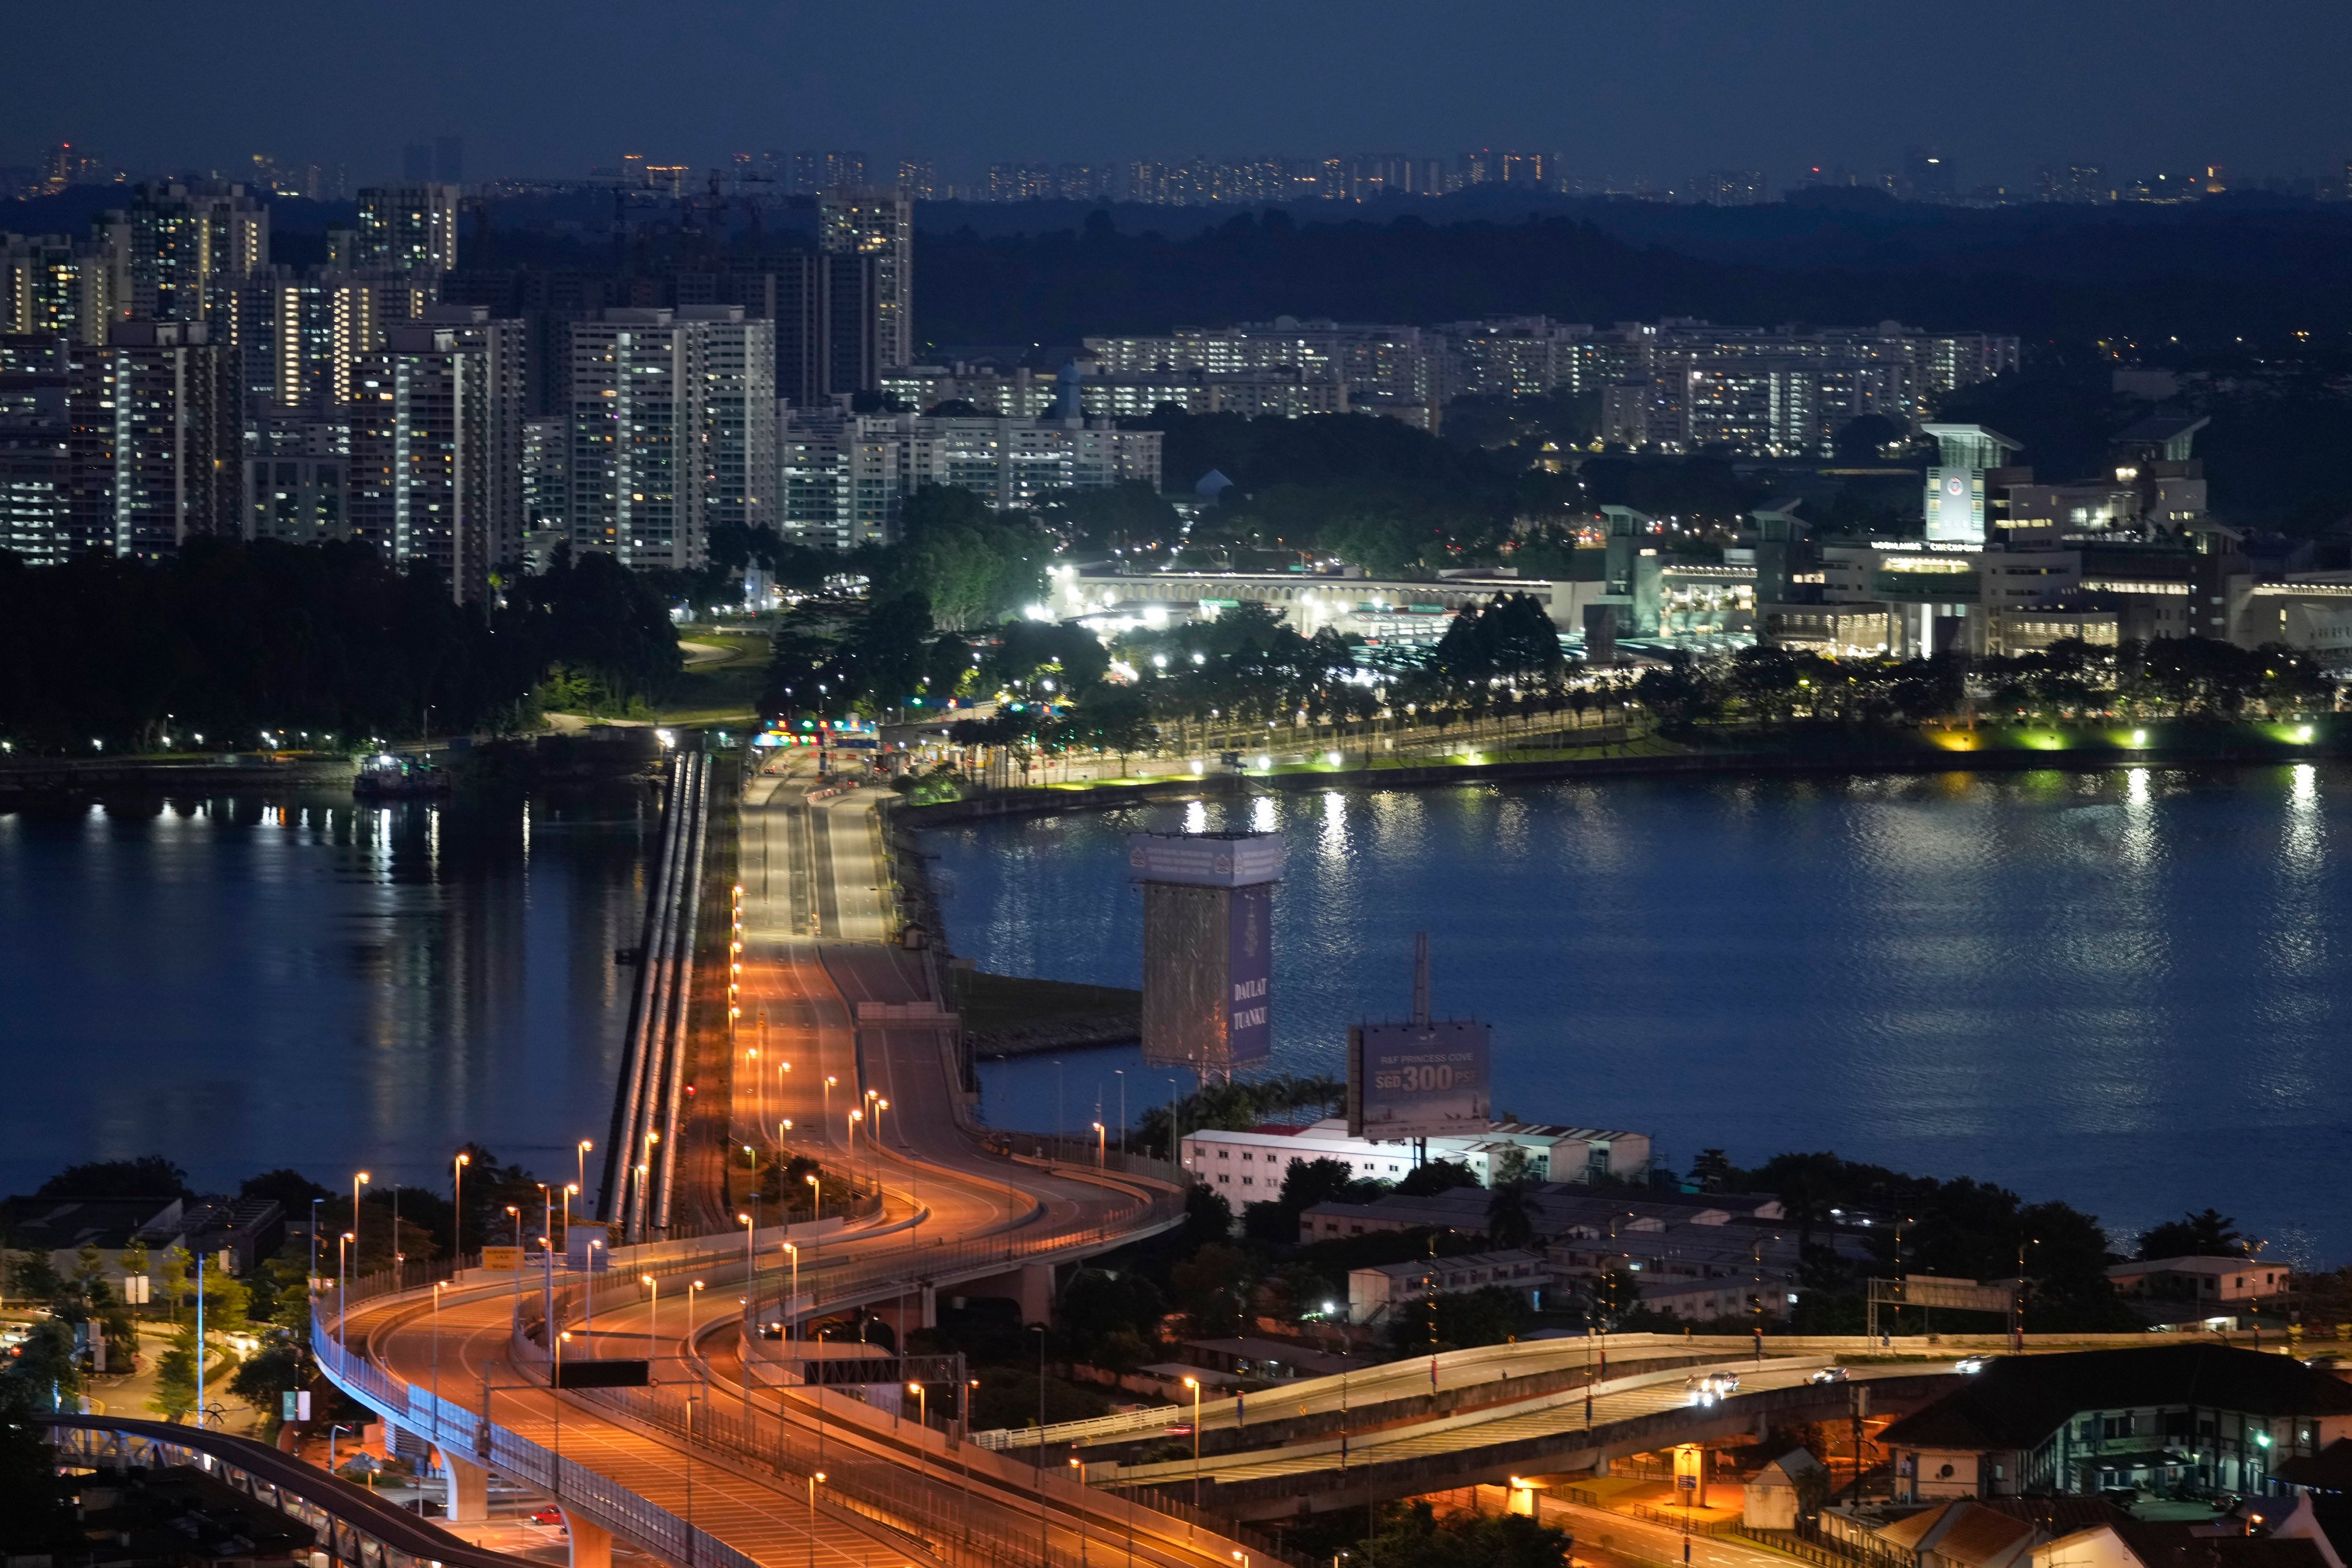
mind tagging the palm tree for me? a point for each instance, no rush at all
(1511, 1215)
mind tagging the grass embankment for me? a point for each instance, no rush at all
(1006, 1016)
(726, 669)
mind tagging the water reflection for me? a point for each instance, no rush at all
(2118, 988)
(240, 983)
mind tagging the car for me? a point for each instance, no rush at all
(551, 1514)
(1830, 1374)
(1706, 1387)
(1969, 1363)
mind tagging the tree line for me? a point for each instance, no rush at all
(2160, 678)
(325, 645)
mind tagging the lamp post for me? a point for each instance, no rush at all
(458, 1207)
(653, 1313)
(1098, 1145)
(515, 1215)
(690, 1289)
(200, 1339)
(816, 1479)
(829, 1082)
(585, 1144)
(881, 1105)
(555, 1398)
(438, 1286)
(792, 1302)
(342, 1277)
(1045, 1555)
(588, 1295)
(547, 1255)
(1194, 1385)
(750, 1267)
(1078, 1474)
(849, 1133)
(359, 1181)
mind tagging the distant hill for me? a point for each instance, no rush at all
(2207, 274)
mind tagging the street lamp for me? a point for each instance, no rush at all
(1194, 1385)
(585, 1144)
(653, 1313)
(1098, 1145)
(555, 1398)
(515, 1215)
(690, 1289)
(816, 1479)
(343, 1250)
(438, 1286)
(458, 1207)
(751, 1236)
(793, 1303)
(359, 1181)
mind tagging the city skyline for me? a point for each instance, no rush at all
(1660, 95)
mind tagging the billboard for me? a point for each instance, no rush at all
(1249, 1037)
(1955, 509)
(1421, 1079)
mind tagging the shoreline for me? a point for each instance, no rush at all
(1908, 753)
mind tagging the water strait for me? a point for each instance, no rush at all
(2126, 990)
(240, 983)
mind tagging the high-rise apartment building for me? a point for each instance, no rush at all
(920, 178)
(845, 477)
(298, 477)
(407, 228)
(739, 414)
(546, 489)
(636, 464)
(436, 448)
(816, 171)
(49, 283)
(879, 224)
(180, 252)
(154, 441)
(301, 333)
(36, 477)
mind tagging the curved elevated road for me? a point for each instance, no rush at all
(813, 917)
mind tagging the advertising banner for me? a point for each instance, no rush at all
(1249, 1035)
(1419, 1080)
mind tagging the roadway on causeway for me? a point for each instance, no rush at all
(814, 920)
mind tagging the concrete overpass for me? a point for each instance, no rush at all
(1542, 1437)
(706, 1465)
(353, 1526)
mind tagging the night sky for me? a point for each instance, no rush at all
(1643, 89)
